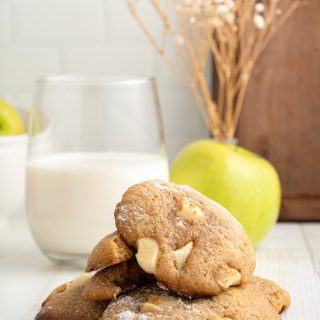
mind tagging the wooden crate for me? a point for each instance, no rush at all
(281, 115)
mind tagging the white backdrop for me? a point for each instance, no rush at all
(39, 37)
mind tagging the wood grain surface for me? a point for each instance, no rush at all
(281, 115)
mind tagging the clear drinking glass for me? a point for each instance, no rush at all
(91, 137)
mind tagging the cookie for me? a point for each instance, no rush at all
(87, 297)
(190, 243)
(278, 297)
(246, 302)
(109, 251)
(259, 299)
(109, 282)
(65, 303)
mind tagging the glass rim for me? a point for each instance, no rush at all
(95, 79)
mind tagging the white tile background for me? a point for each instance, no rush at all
(39, 37)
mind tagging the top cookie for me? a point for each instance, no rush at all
(190, 243)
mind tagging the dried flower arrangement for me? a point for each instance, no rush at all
(234, 31)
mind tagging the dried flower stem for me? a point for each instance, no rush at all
(235, 32)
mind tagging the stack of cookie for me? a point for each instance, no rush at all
(176, 255)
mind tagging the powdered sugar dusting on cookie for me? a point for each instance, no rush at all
(129, 315)
(126, 315)
(158, 184)
(126, 210)
(184, 188)
(180, 223)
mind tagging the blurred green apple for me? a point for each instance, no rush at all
(10, 120)
(244, 183)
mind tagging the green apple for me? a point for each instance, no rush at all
(10, 120)
(244, 183)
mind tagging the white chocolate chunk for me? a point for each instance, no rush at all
(149, 307)
(190, 211)
(228, 279)
(182, 254)
(155, 303)
(83, 278)
(147, 254)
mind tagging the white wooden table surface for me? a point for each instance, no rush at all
(290, 255)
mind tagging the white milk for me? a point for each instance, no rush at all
(71, 197)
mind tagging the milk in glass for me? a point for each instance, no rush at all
(71, 197)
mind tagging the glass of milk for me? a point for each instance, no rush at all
(91, 137)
